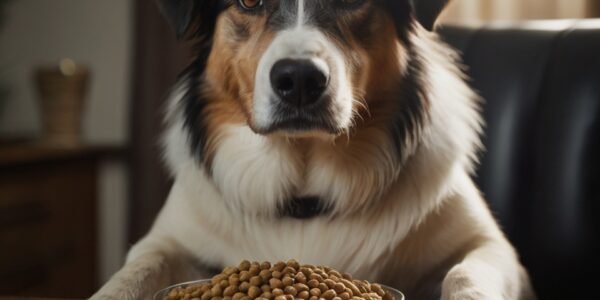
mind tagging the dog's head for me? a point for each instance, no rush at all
(299, 67)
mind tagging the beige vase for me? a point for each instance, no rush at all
(62, 90)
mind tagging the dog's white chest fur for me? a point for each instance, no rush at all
(231, 213)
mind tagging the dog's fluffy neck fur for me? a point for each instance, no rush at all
(234, 205)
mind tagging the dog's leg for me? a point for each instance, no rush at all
(491, 271)
(152, 264)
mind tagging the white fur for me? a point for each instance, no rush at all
(409, 220)
(301, 14)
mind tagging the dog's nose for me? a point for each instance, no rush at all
(298, 82)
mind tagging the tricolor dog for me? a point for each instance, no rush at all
(334, 132)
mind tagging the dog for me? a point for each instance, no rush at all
(334, 132)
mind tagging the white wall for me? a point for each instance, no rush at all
(94, 32)
(99, 34)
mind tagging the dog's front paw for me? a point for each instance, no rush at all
(462, 284)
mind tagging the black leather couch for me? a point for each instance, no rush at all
(541, 170)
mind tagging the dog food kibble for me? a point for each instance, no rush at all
(280, 281)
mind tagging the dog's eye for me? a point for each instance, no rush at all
(250, 4)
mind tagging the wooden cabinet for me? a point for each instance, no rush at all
(48, 199)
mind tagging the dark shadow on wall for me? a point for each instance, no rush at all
(158, 59)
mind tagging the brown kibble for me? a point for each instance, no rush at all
(304, 295)
(230, 291)
(300, 277)
(330, 283)
(244, 265)
(244, 286)
(375, 296)
(339, 288)
(245, 276)
(306, 271)
(218, 278)
(287, 281)
(350, 285)
(254, 292)
(265, 274)
(313, 283)
(238, 296)
(329, 294)
(315, 276)
(275, 283)
(290, 290)
(265, 265)
(256, 281)
(234, 280)
(224, 283)
(230, 270)
(216, 290)
(301, 287)
(377, 289)
(293, 263)
(320, 272)
(206, 295)
(254, 270)
(280, 281)
(360, 286)
(335, 273)
(279, 266)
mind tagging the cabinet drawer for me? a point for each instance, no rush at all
(47, 230)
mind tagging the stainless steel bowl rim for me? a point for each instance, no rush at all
(163, 292)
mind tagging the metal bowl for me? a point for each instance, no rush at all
(160, 295)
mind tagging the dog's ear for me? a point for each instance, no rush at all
(180, 13)
(428, 11)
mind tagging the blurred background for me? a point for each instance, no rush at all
(82, 84)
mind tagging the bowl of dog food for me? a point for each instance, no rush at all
(279, 281)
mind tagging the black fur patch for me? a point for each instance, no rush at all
(303, 208)
(412, 101)
(194, 105)
(194, 102)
